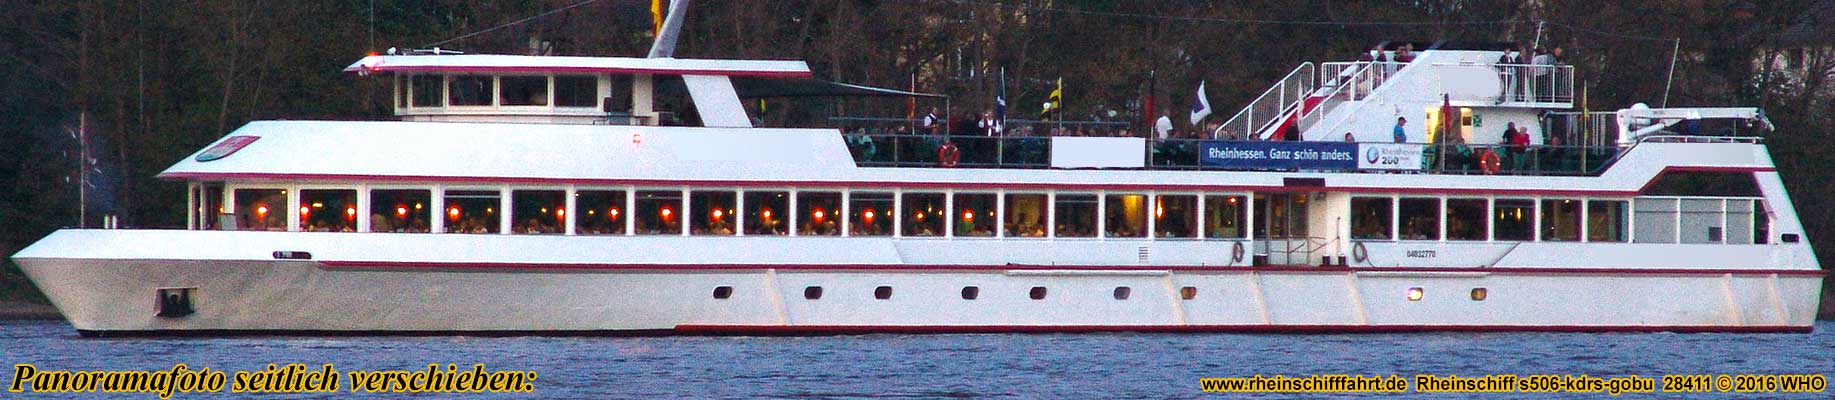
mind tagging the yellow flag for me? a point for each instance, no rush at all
(1056, 100)
(656, 15)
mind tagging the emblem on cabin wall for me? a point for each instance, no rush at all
(226, 147)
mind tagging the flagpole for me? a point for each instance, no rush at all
(1000, 121)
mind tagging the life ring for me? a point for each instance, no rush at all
(1359, 253)
(1489, 162)
(948, 154)
(1236, 253)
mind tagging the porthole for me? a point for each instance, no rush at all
(1478, 294)
(1122, 292)
(812, 292)
(1415, 294)
(970, 292)
(882, 292)
(723, 292)
(1038, 293)
(1188, 292)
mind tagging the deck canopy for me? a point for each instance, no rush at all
(500, 64)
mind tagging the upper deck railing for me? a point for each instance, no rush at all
(1286, 97)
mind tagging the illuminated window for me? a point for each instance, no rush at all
(1465, 219)
(870, 214)
(1515, 219)
(1188, 292)
(261, 210)
(713, 212)
(1478, 294)
(538, 212)
(1561, 220)
(472, 211)
(1076, 215)
(659, 212)
(1372, 218)
(974, 214)
(424, 91)
(522, 90)
(400, 211)
(328, 210)
(469, 90)
(1416, 294)
(1224, 216)
(1122, 292)
(922, 215)
(1420, 219)
(1606, 220)
(1127, 215)
(576, 91)
(819, 213)
(1025, 215)
(601, 212)
(764, 213)
(1175, 216)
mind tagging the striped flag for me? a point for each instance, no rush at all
(1056, 100)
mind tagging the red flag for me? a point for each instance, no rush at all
(1147, 113)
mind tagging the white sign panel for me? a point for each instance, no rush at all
(1098, 152)
(1390, 156)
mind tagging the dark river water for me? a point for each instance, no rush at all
(945, 366)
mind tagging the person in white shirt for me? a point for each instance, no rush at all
(1163, 127)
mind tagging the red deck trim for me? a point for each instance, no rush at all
(587, 70)
(934, 329)
(1026, 267)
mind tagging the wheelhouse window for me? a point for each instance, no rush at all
(1606, 220)
(1127, 215)
(601, 212)
(819, 213)
(1076, 215)
(659, 212)
(1025, 215)
(1739, 221)
(522, 90)
(1514, 219)
(1702, 221)
(713, 212)
(974, 214)
(400, 210)
(1372, 218)
(261, 210)
(922, 214)
(1561, 220)
(472, 211)
(469, 90)
(1656, 220)
(868, 214)
(538, 212)
(1224, 216)
(1420, 219)
(424, 91)
(764, 213)
(1175, 216)
(328, 210)
(576, 91)
(1465, 219)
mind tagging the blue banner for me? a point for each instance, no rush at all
(1280, 155)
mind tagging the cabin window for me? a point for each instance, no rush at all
(812, 293)
(538, 212)
(868, 214)
(1025, 215)
(576, 91)
(1076, 215)
(659, 212)
(1175, 216)
(882, 292)
(1561, 220)
(472, 211)
(974, 215)
(723, 292)
(971, 292)
(1127, 215)
(1739, 221)
(1656, 221)
(1515, 219)
(1702, 221)
(922, 214)
(328, 210)
(1122, 292)
(713, 212)
(1037, 293)
(764, 213)
(522, 90)
(1372, 218)
(1188, 292)
(469, 90)
(1606, 220)
(424, 91)
(1761, 223)
(1420, 219)
(211, 211)
(1465, 219)
(400, 211)
(601, 212)
(260, 210)
(819, 213)
(1224, 216)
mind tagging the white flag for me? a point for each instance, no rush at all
(1200, 108)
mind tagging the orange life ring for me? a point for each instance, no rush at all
(948, 155)
(1489, 162)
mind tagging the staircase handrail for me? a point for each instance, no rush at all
(1308, 80)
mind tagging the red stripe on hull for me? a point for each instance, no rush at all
(934, 329)
(949, 267)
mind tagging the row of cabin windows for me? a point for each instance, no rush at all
(972, 214)
(433, 91)
(968, 292)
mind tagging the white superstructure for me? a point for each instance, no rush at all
(540, 195)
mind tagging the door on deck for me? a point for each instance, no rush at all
(1280, 227)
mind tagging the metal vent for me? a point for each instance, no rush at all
(1144, 255)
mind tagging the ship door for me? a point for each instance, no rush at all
(1281, 228)
(175, 302)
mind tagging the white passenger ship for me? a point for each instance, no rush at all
(538, 194)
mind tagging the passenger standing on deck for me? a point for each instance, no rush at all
(1507, 75)
(930, 122)
(1544, 65)
(1401, 136)
(1163, 127)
